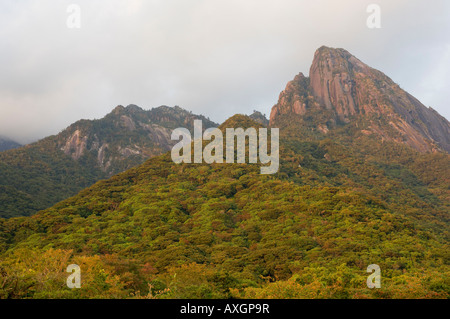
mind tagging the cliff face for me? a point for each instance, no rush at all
(38, 175)
(347, 90)
(294, 98)
(125, 137)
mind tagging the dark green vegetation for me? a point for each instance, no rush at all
(37, 176)
(165, 230)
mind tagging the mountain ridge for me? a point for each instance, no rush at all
(148, 133)
(347, 91)
(226, 231)
(42, 173)
(342, 200)
(8, 144)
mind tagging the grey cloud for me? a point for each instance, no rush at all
(213, 57)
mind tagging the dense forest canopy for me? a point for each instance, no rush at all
(166, 230)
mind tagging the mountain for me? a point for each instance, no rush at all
(166, 230)
(125, 137)
(41, 174)
(7, 144)
(259, 117)
(343, 199)
(348, 123)
(344, 90)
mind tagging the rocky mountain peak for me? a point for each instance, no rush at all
(259, 117)
(118, 109)
(294, 98)
(332, 83)
(341, 89)
(126, 136)
(133, 108)
(342, 83)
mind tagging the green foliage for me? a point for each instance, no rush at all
(39, 175)
(166, 230)
(222, 230)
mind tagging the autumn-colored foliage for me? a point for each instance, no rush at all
(166, 230)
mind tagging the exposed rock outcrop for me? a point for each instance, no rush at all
(126, 136)
(75, 145)
(294, 98)
(347, 90)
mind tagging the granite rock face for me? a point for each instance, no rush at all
(125, 137)
(348, 90)
(293, 99)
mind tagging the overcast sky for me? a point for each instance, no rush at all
(214, 57)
